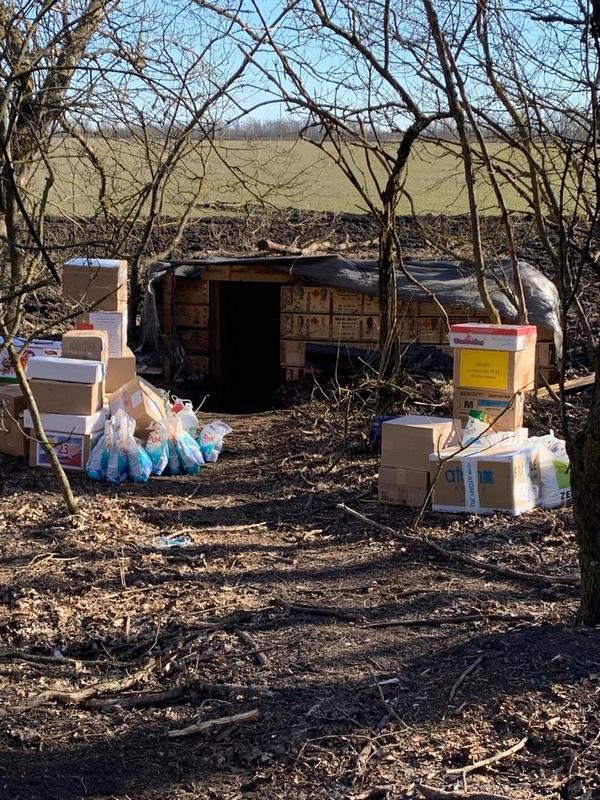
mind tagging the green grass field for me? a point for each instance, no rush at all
(282, 173)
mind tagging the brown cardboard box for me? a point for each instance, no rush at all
(13, 441)
(505, 408)
(120, 371)
(292, 353)
(104, 288)
(188, 291)
(139, 400)
(498, 370)
(409, 441)
(306, 299)
(403, 487)
(88, 345)
(502, 478)
(59, 397)
(371, 304)
(346, 328)
(305, 326)
(430, 330)
(347, 302)
(113, 322)
(199, 364)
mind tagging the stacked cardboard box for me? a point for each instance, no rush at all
(69, 394)
(104, 282)
(406, 444)
(494, 366)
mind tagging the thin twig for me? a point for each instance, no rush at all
(209, 724)
(485, 762)
(463, 676)
(508, 572)
(431, 793)
(459, 619)
(258, 654)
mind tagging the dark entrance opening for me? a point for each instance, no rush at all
(245, 333)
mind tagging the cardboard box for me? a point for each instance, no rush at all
(506, 409)
(370, 328)
(139, 400)
(120, 371)
(115, 325)
(292, 353)
(430, 330)
(96, 282)
(66, 370)
(86, 345)
(32, 349)
(347, 302)
(306, 299)
(481, 336)
(499, 370)
(58, 397)
(504, 478)
(371, 304)
(403, 487)
(409, 441)
(195, 316)
(13, 441)
(305, 326)
(346, 328)
(199, 364)
(73, 437)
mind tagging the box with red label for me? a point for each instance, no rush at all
(480, 336)
(71, 435)
(27, 350)
(115, 325)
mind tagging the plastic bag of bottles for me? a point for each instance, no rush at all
(98, 459)
(185, 411)
(172, 450)
(211, 440)
(157, 447)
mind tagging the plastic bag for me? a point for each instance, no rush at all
(117, 468)
(157, 447)
(172, 450)
(189, 453)
(211, 440)
(555, 470)
(98, 459)
(139, 464)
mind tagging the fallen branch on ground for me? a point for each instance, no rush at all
(463, 676)
(485, 762)
(81, 696)
(459, 619)
(219, 722)
(430, 793)
(320, 611)
(507, 572)
(258, 654)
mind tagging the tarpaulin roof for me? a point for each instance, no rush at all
(452, 283)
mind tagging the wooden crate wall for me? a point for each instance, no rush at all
(321, 315)
(186, 311)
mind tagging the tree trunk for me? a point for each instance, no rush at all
(59, 473)
(585, 483)
(388, 313)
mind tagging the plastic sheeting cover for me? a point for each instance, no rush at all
(452, 282)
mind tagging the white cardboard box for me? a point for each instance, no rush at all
(68, 370)
(481, 336)
(69, 423)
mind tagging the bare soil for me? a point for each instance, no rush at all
(344, 710)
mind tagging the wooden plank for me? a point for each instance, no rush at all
(573, 385)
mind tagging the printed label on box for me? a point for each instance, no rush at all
(69, 448)
(484, 369)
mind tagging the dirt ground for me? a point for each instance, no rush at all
(348, 704)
